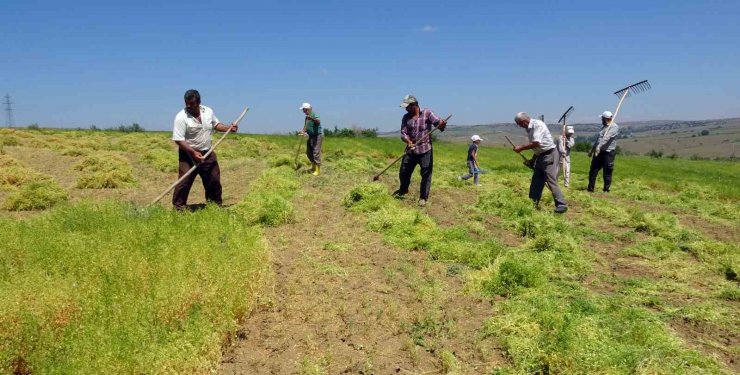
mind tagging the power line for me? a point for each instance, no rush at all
(9, 111)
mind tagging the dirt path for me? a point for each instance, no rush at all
(344, 302)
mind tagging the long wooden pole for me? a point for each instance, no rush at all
(377, 176)
(298, 151)
(618, 106)
(160, 196)
(512, 145)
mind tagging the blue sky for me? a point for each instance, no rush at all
(78, 63)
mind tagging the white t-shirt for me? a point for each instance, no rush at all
(196, 134)
(537, 131)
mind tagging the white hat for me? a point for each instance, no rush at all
(476, 138)
(305, 106)
(569, 130)
(408, 100)
(606, 114)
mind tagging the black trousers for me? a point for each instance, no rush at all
(408, 164)
(210, 175)
(605, 160)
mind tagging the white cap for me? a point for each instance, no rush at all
(476, 138)
(305, 106)
(569, 130)
(408, 100)
(606, 114)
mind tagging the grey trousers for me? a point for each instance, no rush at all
(313, 148)
(546, 173)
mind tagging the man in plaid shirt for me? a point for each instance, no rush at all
(415, 126)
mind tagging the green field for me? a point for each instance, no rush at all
(330, 274)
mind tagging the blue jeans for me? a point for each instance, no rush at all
(473, 171)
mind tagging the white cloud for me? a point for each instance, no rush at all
(429, 29)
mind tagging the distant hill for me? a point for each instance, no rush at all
(704, 138)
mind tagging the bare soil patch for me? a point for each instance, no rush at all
(342, 301)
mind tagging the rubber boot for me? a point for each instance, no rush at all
(317, 169)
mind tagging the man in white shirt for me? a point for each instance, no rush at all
(565, 144)
(545, 161)
(192, 134)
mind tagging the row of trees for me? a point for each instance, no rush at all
(354, 132)
(133, 128)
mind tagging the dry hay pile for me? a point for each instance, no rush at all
(28, 189)
(161, 160)
(104, 171)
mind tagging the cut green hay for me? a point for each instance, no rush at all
(367, 197)
(730, 294)
(106, 180)
(449, 362)
(161, 160)
(104, 171)
(566, 330)
(455, 245)
(354, 165)
(38, 195)
(281, 180)
(101, 162)
(75, 152)
(9, 140)
(266, 208)
(282, 160)
(246, 147)
(109, 289)
(17, 176)
(8, 161)
(515, 273)
(270, 204)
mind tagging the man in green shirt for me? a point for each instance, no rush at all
(312, 127)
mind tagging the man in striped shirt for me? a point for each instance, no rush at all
(416, 125)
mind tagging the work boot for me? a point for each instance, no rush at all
(561, 209)
(317, 169)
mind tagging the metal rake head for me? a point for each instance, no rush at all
(566, 115)
(636, 88)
